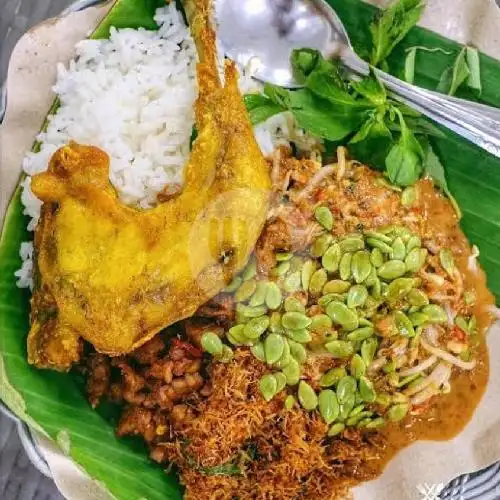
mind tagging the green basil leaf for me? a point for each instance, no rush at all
(373, 141)
(304, 62)
(320, 117)
(434, 170)
(404, 163)
(454, 76)
(473, 63)
(371, 88)
(410, 60)
(390, 26)
(410, 65)
(419, 126)
(323, 77)
(260, 108)
(278, 95)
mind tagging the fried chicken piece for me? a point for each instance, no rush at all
(116, 276)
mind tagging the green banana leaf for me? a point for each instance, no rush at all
(55, 403)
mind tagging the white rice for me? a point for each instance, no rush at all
(133, 96)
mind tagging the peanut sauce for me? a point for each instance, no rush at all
(449, 413)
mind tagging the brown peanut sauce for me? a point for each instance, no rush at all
(449, 413)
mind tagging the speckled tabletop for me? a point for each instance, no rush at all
(19, 480)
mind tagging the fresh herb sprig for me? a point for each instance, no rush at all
(357, 112)
(391, 25)
(340, 109)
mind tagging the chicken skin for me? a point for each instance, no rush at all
(115, 276)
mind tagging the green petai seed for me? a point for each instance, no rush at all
(330, 297)
(403, 324)
(234, 285)
(281, 269)
(339, 348)
(300, 336)
(324, 217)
(280, 381)
(321, 244)
(251, 312)
(274, 345)
(259, 296)
(345, 266)
(368, 350)
(256, 327)
(295, 321)
(366, 390)
(245, 291)
(376, 423)
(357, 296)
(361, 334)
(250, 270)
(268, 386)
(413, 242)
(307, 397)
(436, 314)
(286, 357)
(352, 243)
(447, 261)
(342, 315)
(289, 402)
(413, 260)
(211, 343)
(320, 323)
(293, 304)
(307, 271)
(418, 318)
(357, 367)
(347, 406)
(392, 269)
(332, 376)
(398, 249)
(292, 282)
(292, 372)
(376, 258)
(378, 236)
(329, 407)
(331, 258)
(236, 335)
(258, 351)
(397, 412)
(336, 429)
(382, 246)
(361, 266)
(417, 298)
(317, 282)
(399, 288)
(283, 256)
(297, 351)
(273, 296)
(336, 286)
(226, 356)
(275, 325)
(346, 387)
(409, 196)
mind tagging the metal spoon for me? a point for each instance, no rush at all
(264, 33)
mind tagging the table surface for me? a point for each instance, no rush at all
(19, 480)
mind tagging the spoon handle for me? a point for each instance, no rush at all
(478, 123)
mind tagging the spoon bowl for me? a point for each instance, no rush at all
(263, 34)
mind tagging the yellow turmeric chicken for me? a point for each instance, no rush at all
(116, 276)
